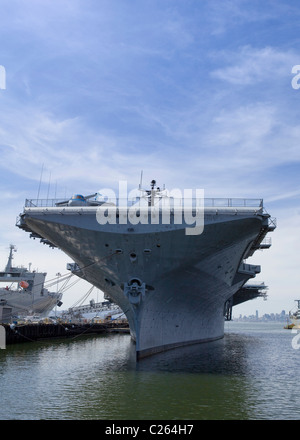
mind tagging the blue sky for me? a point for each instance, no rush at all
(197, 93)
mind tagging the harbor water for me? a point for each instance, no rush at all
(250, 374)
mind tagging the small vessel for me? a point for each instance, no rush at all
(289, 326)
(294, 318)
(24, 292)
(99, 310)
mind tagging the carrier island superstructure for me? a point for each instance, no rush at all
(174, 288)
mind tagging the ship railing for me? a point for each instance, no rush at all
(161, 201)
(266, 242)
(233, 202)
(272, 223)
(40, 203)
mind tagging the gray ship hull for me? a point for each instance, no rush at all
(24, 292)
(23, 303)
(172, 287)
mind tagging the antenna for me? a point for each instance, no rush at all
(49, 186)
(140, 186)
(38, 194)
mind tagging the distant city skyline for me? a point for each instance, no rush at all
(278, 316)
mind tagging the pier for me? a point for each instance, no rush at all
(18, 333)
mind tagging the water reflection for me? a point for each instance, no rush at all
(224, 356)
(242, 376)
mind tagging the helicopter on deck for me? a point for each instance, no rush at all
(80, 200)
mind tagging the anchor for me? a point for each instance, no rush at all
(135, 291)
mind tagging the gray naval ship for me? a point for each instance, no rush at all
(24, 292)
(175, 285)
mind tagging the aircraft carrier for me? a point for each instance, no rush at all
(176, 286)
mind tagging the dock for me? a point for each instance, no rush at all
(19, 333)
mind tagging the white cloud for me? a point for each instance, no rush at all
(185, 92)
(251, 65)
(237, 14)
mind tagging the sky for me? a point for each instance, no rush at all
(196, 93)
